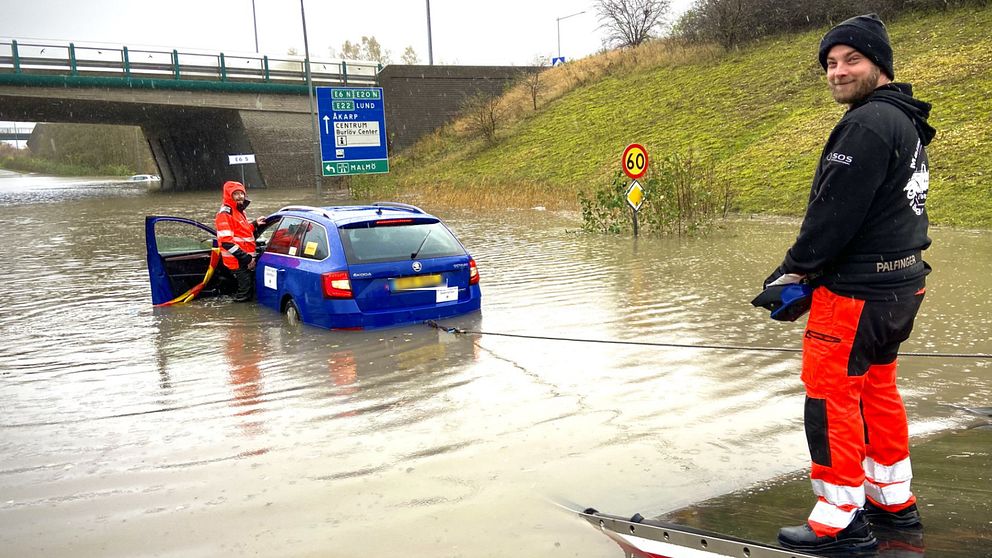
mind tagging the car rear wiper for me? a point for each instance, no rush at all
(413, 256)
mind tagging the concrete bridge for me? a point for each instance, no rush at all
(14, 134)
(195, 109)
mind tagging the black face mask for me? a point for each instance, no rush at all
(243, 204)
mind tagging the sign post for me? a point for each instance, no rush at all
(352, 131)
(242, 160)
(635, 197)
(635, 165)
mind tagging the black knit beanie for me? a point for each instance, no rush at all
(866, 34)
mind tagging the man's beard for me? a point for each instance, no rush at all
(854, 93)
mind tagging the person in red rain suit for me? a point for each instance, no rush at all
(236, 237)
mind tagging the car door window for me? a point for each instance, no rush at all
(314, 245)
(172, 238)
(286, 237)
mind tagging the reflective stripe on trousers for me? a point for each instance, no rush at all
(888, 485)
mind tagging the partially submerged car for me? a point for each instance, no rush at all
(145, 178)
(344, 267)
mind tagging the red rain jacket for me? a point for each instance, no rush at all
(235, 233)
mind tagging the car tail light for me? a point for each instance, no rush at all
(473, 273)
(392, 222)
(336, 284)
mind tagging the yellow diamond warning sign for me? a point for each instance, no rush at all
(635, 195)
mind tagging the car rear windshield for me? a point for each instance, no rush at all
(369, 242)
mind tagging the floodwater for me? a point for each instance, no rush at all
(216, 429)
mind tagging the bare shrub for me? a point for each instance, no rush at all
(484, 113)
(532, 79)
(629, 23)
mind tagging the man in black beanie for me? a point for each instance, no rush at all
(860, 249)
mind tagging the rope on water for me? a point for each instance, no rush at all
(458, 331)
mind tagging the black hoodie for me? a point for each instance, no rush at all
(866, 221)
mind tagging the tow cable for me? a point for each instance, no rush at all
(458, 331)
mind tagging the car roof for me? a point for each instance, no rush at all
(345, 214)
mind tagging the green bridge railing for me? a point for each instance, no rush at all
(46, 63)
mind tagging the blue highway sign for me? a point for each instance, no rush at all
(352, 124)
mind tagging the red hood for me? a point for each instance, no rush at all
(229, 188)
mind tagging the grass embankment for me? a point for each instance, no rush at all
(759, 115)
(27, 164)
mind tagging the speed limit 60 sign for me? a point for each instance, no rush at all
(635, 161)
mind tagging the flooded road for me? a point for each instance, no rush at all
(216, 429)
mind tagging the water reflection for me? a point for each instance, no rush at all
(343, 371)
(243, 350)
(900, 544)
(216, 420)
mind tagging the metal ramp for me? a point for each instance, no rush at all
(648, 538)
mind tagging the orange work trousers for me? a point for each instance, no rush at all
(854, 417)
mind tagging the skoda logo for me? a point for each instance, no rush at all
(417, 266)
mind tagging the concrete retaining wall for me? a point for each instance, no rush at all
(421, 99)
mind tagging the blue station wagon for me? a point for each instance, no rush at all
(345, 267)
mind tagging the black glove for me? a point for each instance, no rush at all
(786, 302)
(779, 271)
(243, 258)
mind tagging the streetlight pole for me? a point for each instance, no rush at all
(430, 48)
(558, 20)
(254, 22)
(313, 117)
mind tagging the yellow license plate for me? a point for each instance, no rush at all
(416, 282)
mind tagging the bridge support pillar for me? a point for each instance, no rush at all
(191, 149)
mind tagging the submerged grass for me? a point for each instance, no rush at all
(760, 114)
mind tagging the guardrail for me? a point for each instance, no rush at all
(48, 59)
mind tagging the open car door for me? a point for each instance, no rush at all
(180, 252)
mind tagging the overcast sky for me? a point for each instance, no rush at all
(468, 32)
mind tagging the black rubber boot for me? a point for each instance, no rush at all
(856, 537)
(246, 284)
(906, 518)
